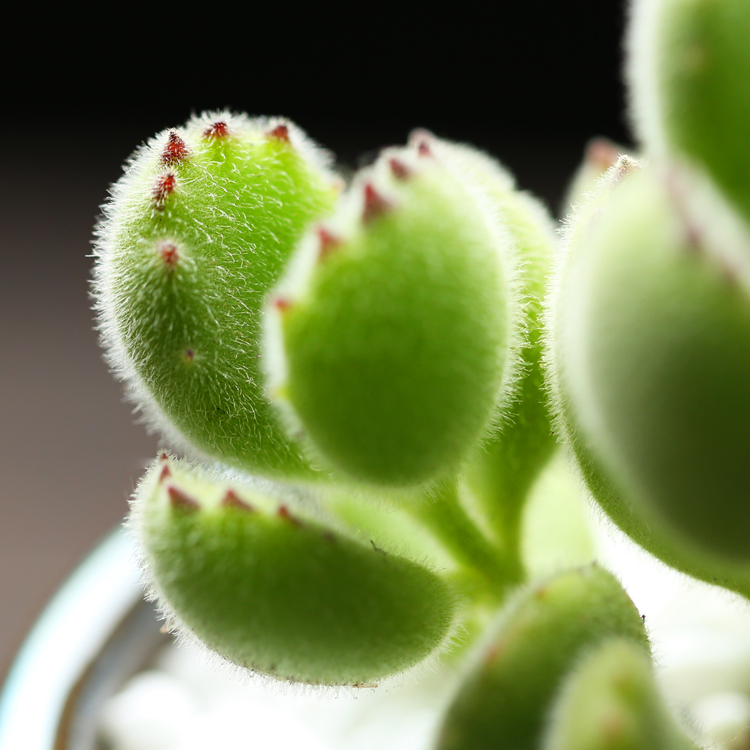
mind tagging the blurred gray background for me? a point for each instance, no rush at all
(531, 88)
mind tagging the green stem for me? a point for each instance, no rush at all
(503, 474)
(503, 499)
(444, 514)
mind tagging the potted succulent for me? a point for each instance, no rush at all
(371, 381)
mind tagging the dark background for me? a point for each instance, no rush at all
(529, 84)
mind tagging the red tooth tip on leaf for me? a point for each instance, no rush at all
(164, 456)
(163, 188)
(625, 166)
(399, 170)
(168, 253)
(421, 140)
(175, 151)
(279, 133)
(282, 304)
(494, 653)
(602, 152)
(328, 242)
(166, 472)
(189, 355)
(182, 500)
(375, 204)
(423, 148)
(284, 513)
(217, 130)
(233, 500)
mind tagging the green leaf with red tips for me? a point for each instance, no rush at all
(599, 155)
(391, 347)
(650, 360)
(198, 230)
(269, 587)
(611, 701)
(502, 473)
(506, 697)
(688, 65)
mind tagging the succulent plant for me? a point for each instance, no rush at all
(369, 380)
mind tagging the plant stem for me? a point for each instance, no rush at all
(502, 476)
(444, 514)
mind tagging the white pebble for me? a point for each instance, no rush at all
(152, 712)
(725, 719)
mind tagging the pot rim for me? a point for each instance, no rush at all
(94, 633)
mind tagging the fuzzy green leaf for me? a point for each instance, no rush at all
(503, 471)
(649, 345)
(611, 702)
(389, 338)
(196, 233)
(269, 587)
(654, 351)
(688, 66)
(504, 700)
